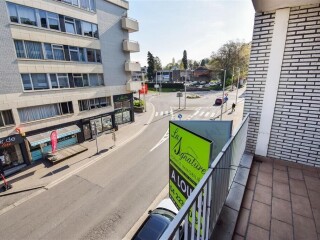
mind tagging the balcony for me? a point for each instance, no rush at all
(131, 46)
(130, 24)
(132, 67)
(134, 86)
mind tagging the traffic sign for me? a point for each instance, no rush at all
(179, 116)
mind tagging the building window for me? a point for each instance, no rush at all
(91, 55)
(6, 118)
(26, 81)
(48, 51)
(87, 29)
(33, 50)
(74, 53)
(27, 15)
(30, 114)
(13, 12)
(39, 81)
(82, 55)
(63, 80)
(19, 49)
(58, 52)
(70, 25)
(49, 20)
(89, 104)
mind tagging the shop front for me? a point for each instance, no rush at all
(123, 108)
(102, 123)
(13, 154)
(40, 144)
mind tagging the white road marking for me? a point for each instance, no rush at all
(166, 112)
(207, 114)
(212, 115)
(163, 139)
(156, 114)
(161, 113)
(200, 115)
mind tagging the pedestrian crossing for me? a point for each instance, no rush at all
(196, 114)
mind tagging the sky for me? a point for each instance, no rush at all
(168, 27)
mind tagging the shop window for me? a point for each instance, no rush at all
(106, 123)
(6, 118)
(19, 49)
(33, 50)
(11, 156)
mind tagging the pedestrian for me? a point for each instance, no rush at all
(6, 186)
(233, 107)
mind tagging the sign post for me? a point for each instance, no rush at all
(114, 138)
(94, 130)
(179, 95)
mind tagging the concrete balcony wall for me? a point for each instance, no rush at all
(132, 66)
(129, 24)
(131, 46)
(134, 85)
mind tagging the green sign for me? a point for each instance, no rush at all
(189, 160)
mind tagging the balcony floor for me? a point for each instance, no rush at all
(281, 201)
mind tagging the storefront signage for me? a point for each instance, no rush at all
(122, 97)
(54, 141)
(10, 140)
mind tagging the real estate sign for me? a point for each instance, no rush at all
(189, 160)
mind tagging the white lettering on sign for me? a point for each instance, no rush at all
(7, 140)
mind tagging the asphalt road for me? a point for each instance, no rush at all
(106, 199)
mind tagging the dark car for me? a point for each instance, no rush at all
(157, 221)
(218, 101)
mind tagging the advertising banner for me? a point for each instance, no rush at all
(54, 141)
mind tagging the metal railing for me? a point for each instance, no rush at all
(206, 201)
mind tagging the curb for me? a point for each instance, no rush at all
(70, 174)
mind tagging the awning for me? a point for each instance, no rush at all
(45, 137)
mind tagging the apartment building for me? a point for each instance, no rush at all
(65, 66)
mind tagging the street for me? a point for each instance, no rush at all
(104, 200)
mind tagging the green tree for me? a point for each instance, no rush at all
(185, 60)
(231, 56)
(157, 64)
(151, 67)
(204, 62)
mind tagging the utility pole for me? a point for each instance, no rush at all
(224, 82)
(237, 85)
(185, 90)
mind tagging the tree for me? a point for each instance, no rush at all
(204, 62)
(151, 67)
(157, 64)
(185, 60)
(231, 55)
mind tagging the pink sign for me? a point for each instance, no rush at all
(54, 140)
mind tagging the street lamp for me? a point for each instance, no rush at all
(185, 90)
(238, 84)
(224, 82)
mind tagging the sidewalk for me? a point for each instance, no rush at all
(40, 177)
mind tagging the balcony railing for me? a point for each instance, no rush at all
(130, 24)
(207, 199)
(132, 66)
(131, 46)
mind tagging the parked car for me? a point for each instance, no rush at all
(157, 221)
(203, 82)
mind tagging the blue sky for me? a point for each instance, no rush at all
(167, 27)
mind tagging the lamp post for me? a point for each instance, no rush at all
(224, 82)
(238, 85)
(185, 90)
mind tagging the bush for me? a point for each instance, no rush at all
(138, 103)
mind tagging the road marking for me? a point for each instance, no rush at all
(196, 113)
(163, 139)
(200, 115)
(156, 114)
(212, 115)
(166, 112)
(207, 114)
(161, 113)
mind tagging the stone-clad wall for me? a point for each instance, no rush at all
(295, 134)
(258, 67)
